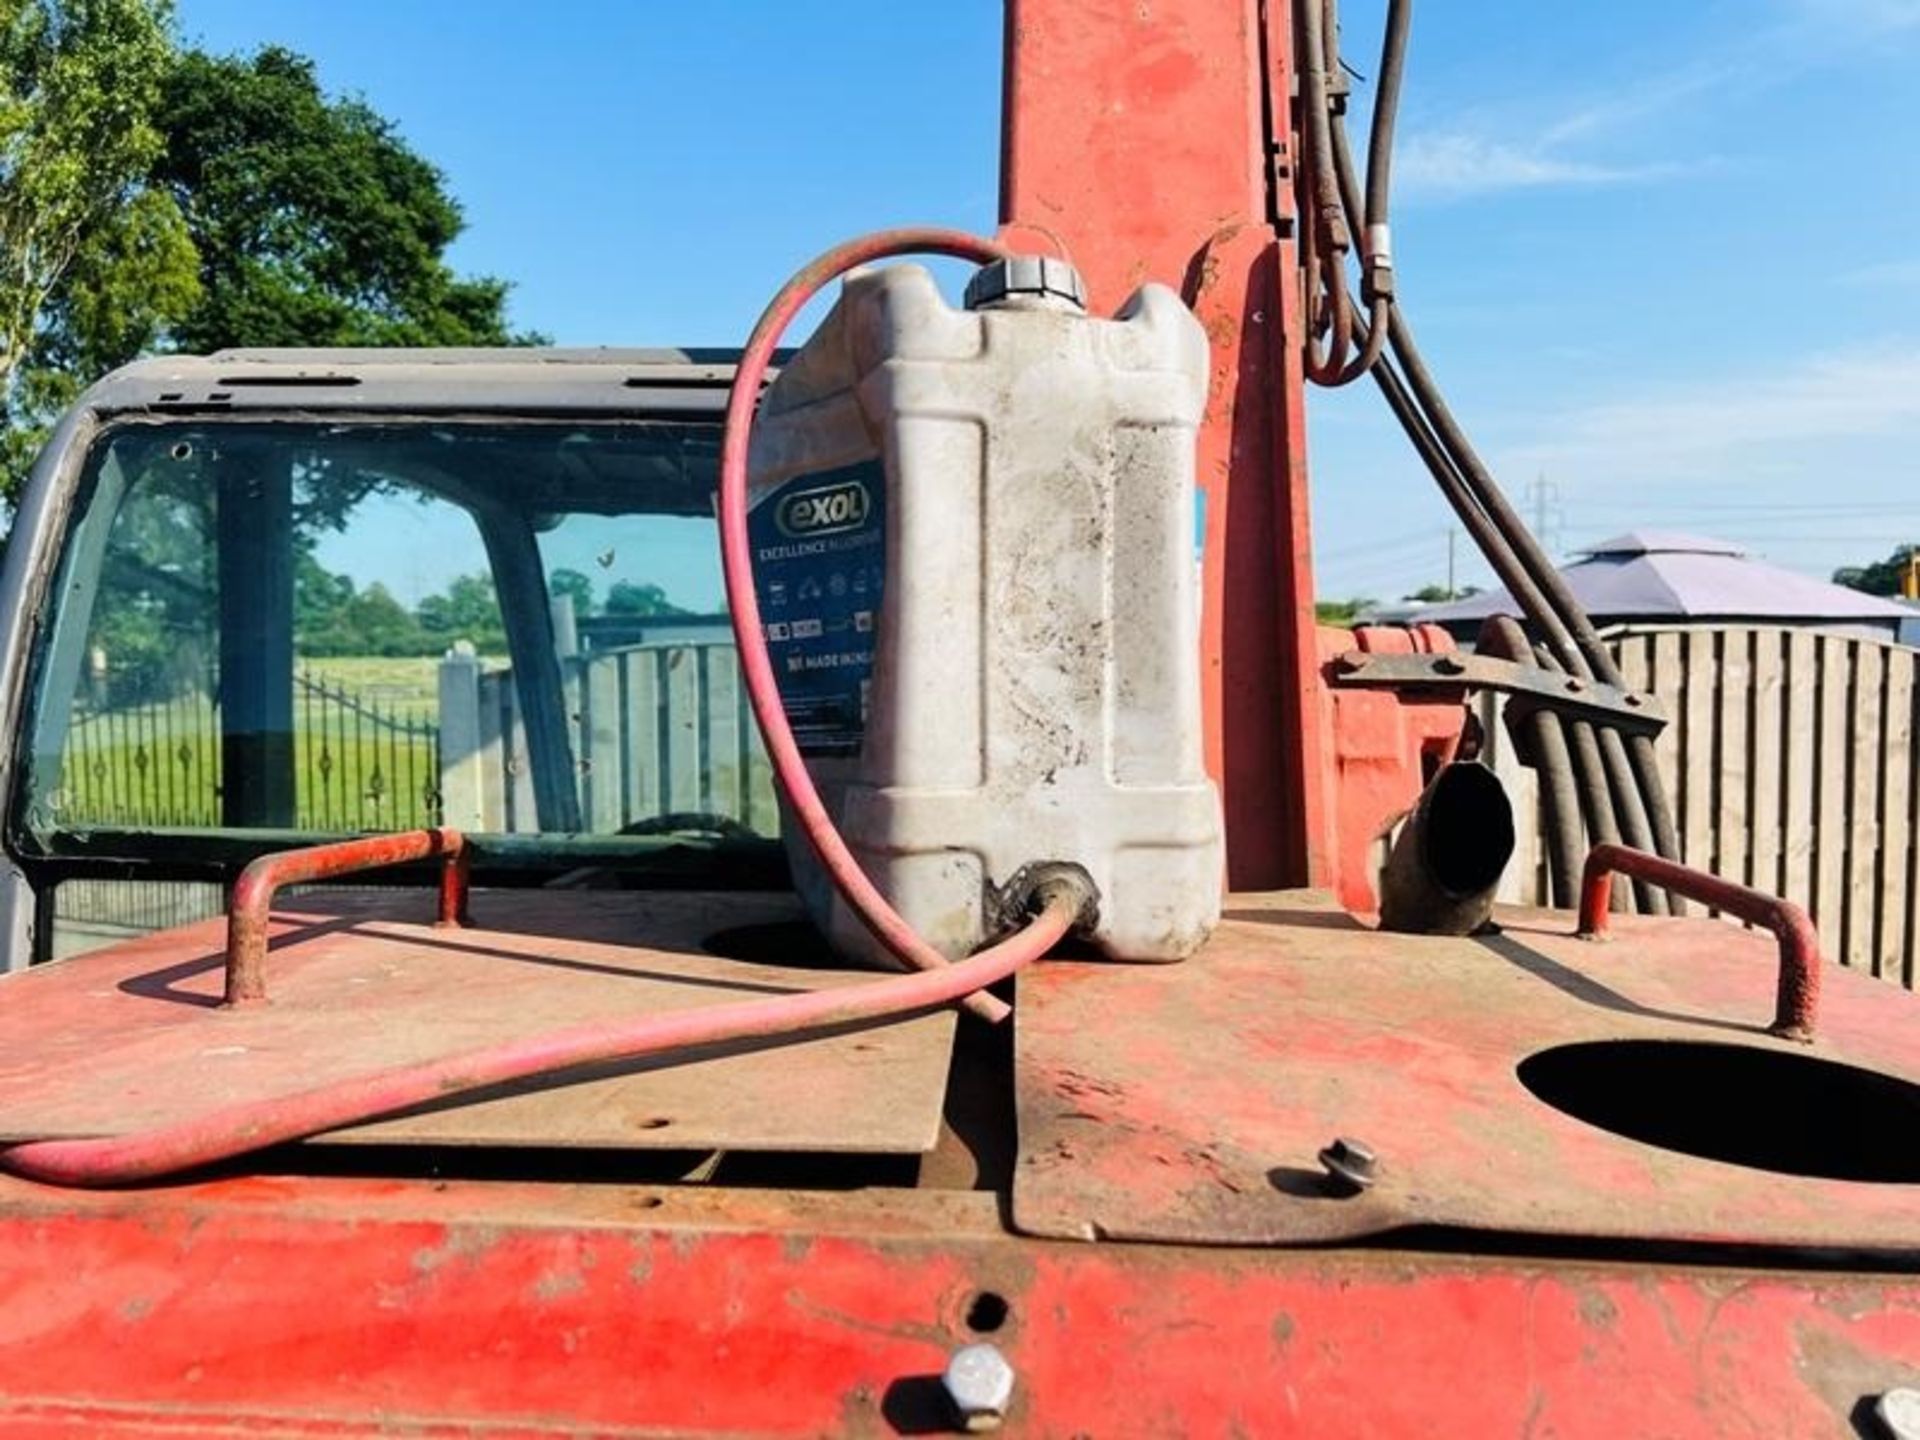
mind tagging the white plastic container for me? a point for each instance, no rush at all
(974, 538)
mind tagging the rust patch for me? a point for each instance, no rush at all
(1597, 1311)
(558, 1285)
(465, 1244)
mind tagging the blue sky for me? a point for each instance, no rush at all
(1665, 257)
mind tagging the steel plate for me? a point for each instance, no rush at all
(133, 1036)
(1190, 1102)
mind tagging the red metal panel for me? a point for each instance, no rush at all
(1155, 1108)
(1137, 138)
(1384, 746)
(468, 1309)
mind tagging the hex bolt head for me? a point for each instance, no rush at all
(1448, 665)
(1899, 1411)
(1351, 1164)
(979, 1382)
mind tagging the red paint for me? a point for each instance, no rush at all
(556, 1311)
(1136, 136)
(1797, 994)
(1386, 745)
(251, 903)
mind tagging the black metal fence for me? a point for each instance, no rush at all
(358, 764)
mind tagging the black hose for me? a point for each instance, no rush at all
(1546, 740)
(1326, 225)
(1640, 796)
(1619, 780)
(1386, 113)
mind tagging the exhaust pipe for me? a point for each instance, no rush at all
(1440, 877)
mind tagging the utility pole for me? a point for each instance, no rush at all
(1910, 577)
(1545, 496)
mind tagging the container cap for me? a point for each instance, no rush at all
(1025, 277)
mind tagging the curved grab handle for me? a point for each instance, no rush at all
(1797, 995)
(253, 892)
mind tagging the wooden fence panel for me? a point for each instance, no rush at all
(1800, 759)
(1733, 693)
(656, 730)
(1790, 757)
(1766, 793)
(1893, 936)
(1865, 763)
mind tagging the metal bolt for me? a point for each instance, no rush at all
(1352, 1163)
(1899, 1411)
(1575, 684)
(1448, 665)
(979, 1382)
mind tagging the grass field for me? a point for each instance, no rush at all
(409, 683)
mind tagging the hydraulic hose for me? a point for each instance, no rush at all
(789, 767)
(1338, 220)
(235, 1130)
(1327, 236)
(1546, 737)
(1619, 780)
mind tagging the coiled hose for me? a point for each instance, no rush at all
(1057, 905)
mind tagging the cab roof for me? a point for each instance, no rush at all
(518, 381)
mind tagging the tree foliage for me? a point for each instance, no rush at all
(82, 79)
(628, 598)
(1342, 612)
(1882, 577)
(315, 223)
(228, 201)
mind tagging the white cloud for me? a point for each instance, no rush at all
(1889, 274)
(1452, 165)
(1792, 36)
(1866, 399)
(1859, 18)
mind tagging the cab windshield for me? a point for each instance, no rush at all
(331, 628)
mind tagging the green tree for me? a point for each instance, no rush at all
(1882, 577)
(77, 137)
(574, 585)
(469, 610)
(627, 598)
(315, 222)
(260, 212)
(1342, 612)
(93, 264)
(374, 623)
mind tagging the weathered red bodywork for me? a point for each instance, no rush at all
(1151, 136)
(313, 1307)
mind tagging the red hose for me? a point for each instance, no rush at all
(254, 1125)
(736, 553)
(239, 1129)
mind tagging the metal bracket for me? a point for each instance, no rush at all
(1528, 687)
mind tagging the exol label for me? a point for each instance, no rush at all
(824, 509)
(819, 564)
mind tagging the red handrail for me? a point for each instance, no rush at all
(1797, 992)
(253, 892)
